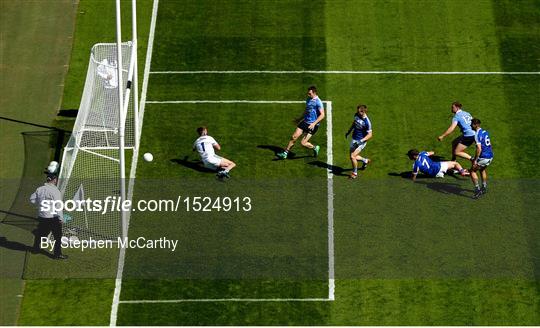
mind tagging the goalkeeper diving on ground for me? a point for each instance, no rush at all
(206, 146)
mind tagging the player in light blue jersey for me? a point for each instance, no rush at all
(309, 124)
(482, 158)
(461, 119)
(361, 133)
(423, 163)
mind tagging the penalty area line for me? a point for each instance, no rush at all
(209, 300)
(330, 201)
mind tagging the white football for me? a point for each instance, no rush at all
(148, 157)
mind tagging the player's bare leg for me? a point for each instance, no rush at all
(309, 145)
(297, 133)
(474, 179)
(354, 162)
(453, 165)
(459, 150)
(365, 160)
(355, 157)
(226, 166)
(455, 142)
(305, 141)
(483, 171)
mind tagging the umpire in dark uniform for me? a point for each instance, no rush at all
(49, 221)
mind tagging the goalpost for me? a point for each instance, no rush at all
(106, 130)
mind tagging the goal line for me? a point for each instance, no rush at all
(330, 210)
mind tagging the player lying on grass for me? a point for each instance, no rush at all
(309, 124)
(482, 158)
(361, 133)
(206, 146)
(463, 120)
(423, 163)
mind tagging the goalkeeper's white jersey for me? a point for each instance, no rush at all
(205, 147)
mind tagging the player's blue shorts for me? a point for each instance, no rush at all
(305, 127)
(466, 141)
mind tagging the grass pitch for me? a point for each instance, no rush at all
(407, 254)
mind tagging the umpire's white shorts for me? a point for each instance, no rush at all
(484, 162)
(357, 145)
(212, 163)
(442, 170)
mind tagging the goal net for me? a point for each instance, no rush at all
(91, 161)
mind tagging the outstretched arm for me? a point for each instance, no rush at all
(477, 154)
(349, 131)
(448, 131)
(415, 170)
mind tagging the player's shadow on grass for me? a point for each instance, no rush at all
(14, 245)
(335, 170)
(446, 188)
(439, 186)
(277, 150)
(193, 164)
(407, 175)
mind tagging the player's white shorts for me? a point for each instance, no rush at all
(212, 162)
(484, 162)
(443, 169)
(357, 145)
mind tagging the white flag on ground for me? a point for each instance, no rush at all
(79, 194)
(78, 198)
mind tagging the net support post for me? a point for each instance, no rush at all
(136, 130)
(121, 129)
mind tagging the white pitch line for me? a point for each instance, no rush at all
(207, 300)
(224, 102)
(349, 72)
(121, 259)
(330, 205)
(329, 155)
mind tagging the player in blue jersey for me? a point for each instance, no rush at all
(482, 158)
(461, 119)
(361, 133)
(309, 124)
(423, 163)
